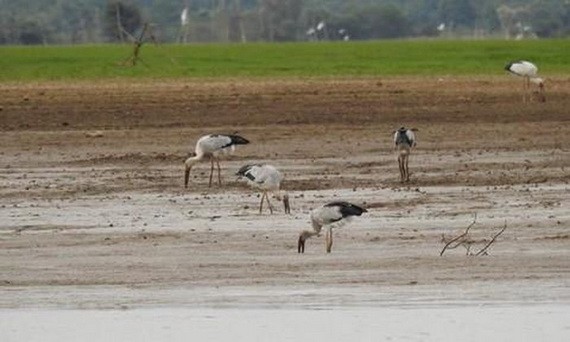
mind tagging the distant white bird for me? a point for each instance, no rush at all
(404, 141)
(268, 179)
(343, 33)
(212, 146)
(529, 72)
(326, 216)
(184, 19)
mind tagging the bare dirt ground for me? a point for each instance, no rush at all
(93, 213)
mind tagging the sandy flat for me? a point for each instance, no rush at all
(93, 214)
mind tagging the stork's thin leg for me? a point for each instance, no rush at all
(529, 88)
(329, 240)
(261, 203)
(401, 166)
(268, 203)
(526, 89)
(211, 171)
(541, 96)
(219, 173)
(406, 169)
(402, 170)
(531, 96)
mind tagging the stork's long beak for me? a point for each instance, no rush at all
(286, 204)
(301, 244)
(187, 176)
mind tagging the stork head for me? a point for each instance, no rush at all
(284, 196)
(187, 167)
(303, 236)
(187, 175)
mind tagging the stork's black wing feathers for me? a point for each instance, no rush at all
(244, 169)
(402, 137)
(237, 140)
(232, 139)
(347, 209)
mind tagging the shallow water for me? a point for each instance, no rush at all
(423, 323)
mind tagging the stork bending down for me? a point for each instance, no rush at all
(528, 71)
(268, 179)
(212, 146)
(404, 141)
(326, 216)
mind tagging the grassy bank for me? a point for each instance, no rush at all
(373, 58)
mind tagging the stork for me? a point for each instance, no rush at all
(528, 71)
(211, 146)
(326, 216)
(268, 179)
(404, 141)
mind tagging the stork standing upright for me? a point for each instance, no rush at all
(268, 179)
(326, 216)
(212, 146)
(528, 71)
(404, 141)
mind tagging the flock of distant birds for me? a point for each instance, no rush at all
(267, 178)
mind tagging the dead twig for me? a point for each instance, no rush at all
(464, 240)
(459, 237)
(138, 42)
(483, 250)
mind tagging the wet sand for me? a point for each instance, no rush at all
(94, 215)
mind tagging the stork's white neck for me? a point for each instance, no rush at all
(192, 160)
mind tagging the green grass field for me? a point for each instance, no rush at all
(372, 58)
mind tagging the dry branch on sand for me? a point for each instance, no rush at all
(483, 251)
(465, 241)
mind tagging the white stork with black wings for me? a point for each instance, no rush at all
(529, 72)
(268, 179)
(326, 216)
(404, 141)
(211, 146)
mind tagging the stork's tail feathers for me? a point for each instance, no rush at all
(241, 172)
(238, 140)
(347, 209)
